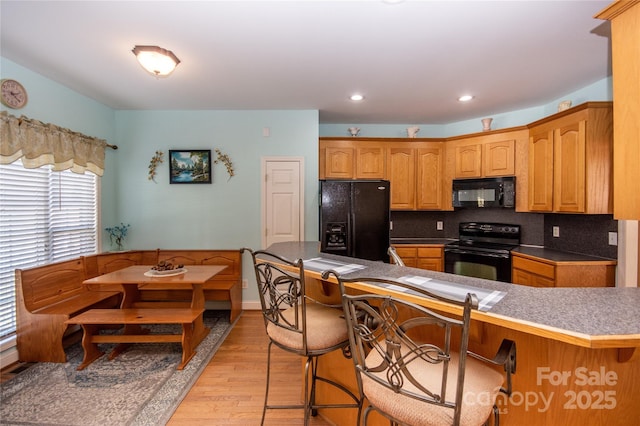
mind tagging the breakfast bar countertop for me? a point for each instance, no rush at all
(589, 317)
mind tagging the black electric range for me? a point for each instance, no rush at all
(483, 250)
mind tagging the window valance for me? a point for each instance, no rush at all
(39, 144)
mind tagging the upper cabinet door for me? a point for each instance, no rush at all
(468, 161)
(541, 171)
(569, 168)
(369, 161)
(401, 166)
(430, 172)
(499, 158)
(339, 163)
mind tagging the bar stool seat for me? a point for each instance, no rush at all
(326, 328)
(481, 387)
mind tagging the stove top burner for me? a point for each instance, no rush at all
(480, 246)
(487, 237)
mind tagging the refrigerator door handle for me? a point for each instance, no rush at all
(352, 234)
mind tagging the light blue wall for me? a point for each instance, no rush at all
(599, 91)
(51, 102)
(226, 213)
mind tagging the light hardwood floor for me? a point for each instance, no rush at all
(230, 391)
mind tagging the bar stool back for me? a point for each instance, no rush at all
(412, 363)
(298, 324)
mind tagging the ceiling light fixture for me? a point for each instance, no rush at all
(156, 60)
(356, 97)
(465, 98)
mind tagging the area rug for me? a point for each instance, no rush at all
(139, 387)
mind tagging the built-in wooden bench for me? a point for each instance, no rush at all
(93, 320)
(47, 296)
(227, 285)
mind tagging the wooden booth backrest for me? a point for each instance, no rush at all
(104, 263)
(48, 295)
(230, 258)
(225, 286)
(48, 285)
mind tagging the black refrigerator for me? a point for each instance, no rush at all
(354, 218)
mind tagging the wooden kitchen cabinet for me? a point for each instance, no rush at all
(468, 160)
(370, 160)
(625, 45)
(431, 258)
(499, 158)
(423, 256)
(538, 272)
(532, 273)
(401, 172)
(415, 168)
(477, 158)
(416, 172)
(570, 161)
(339, 162)
(488, 154)
(429, 176)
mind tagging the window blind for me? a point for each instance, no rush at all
(45, 217)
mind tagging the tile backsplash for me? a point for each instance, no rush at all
(586, 234)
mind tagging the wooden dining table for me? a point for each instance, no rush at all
(134, 279)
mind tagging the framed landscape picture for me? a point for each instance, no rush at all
(190, 166)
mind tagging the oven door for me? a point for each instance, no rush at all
(491, 266)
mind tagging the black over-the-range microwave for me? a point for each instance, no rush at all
(497, 192)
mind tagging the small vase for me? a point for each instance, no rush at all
(486, 124)
(412, 132)
(564, 105)
(118, 246)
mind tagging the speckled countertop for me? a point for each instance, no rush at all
(559, 256)
(438, 241)
(581, 316)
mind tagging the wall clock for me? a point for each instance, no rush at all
(13, 94)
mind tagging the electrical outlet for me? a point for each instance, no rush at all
(613, 238)
(556, 231)
(245, 283)
(439, 225)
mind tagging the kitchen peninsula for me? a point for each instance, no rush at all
(577, 348)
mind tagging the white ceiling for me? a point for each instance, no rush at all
(410, 60)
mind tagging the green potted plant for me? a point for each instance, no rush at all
(117, 234)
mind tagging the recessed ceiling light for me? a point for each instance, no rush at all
(356, 97)
(465, 98)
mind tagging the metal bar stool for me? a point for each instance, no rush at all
(413, 364)
(298, 324)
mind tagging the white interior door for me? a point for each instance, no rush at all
(282, 200)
